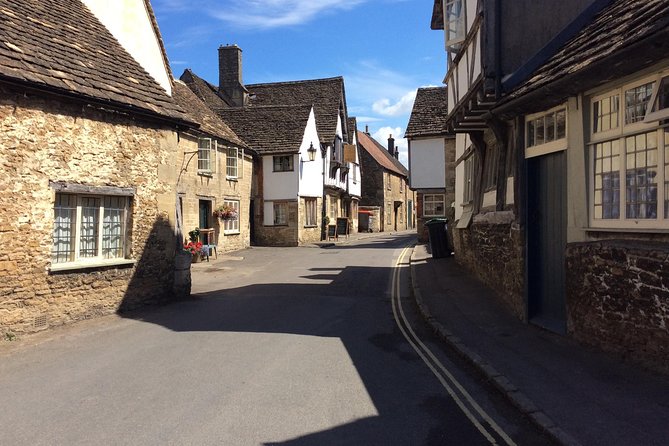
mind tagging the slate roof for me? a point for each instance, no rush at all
(429, 113)
(207, 92)
(60, 46)
(381, 154)
(198, 111)
(617, 27)
(269, 129)
(326, 95)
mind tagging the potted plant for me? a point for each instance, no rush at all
(225, 212)
(194, 246)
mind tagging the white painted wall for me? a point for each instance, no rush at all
(310, 172)
(427, 160)
(129, 22)
(355, 188)
(268, 215)
(279, 185)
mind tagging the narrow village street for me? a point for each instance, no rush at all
(295, 346)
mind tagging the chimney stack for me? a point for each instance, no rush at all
(366, 129)
(230, 74)
(391, 145)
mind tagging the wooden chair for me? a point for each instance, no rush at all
(208, 239)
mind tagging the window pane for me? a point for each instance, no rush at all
(90, 216)
(539, 128)
(607, 184)
(550, 127)
(231, 162)
(530, 134)
(204, 155)
(113, 231)
(605, 114)
(636, 102)
(641, 173)
(65, 214)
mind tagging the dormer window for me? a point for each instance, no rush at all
(454, 24)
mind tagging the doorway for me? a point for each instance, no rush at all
(547, 240)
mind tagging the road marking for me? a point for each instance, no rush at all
(472, 410)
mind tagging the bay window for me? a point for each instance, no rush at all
(629, 160)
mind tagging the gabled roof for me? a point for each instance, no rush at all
(60, 46)
(205, 91)
(381, 154)
(269, 129)
(326, 95)
(429, 113)
(197, 111)
(639, 29)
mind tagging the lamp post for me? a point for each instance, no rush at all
(324, 152)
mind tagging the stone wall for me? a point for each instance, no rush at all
(492, 248)
(280, 235)
(309, 234)
(618, 298)
(44, 139)
(193, 187)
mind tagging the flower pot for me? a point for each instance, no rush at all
(196, 258)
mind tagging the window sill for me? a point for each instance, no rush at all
(90, 264)
(310, 226)
(204, 173)
(232, 178)
(231, 232)
(628, 230)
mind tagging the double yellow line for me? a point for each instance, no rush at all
(472, 410)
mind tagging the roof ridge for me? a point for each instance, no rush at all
(302, 81)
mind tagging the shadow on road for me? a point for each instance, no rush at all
(354, 308)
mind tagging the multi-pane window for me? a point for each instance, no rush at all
(468, 195)
(641, 176)
(231, 225)
(606, 113)
(310, 212)
(636, 102)
(546, 128)
(206, 156)
(607, 179)
(333, 208)
(454, 24)
(283, 163)
(433, 205)
(231, 163)
(280, 213)
(490, 169)
(88, 227)
(629, 162)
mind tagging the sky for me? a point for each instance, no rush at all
(384, 49)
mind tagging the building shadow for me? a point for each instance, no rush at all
(341, 303)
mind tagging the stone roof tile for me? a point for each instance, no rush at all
(269, 129)
(429, 113)
(381, 154)
(62, 46)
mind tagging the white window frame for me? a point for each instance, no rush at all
(206, 165)
(277, 220)
(232, 168)
(434, 199)
(653, 114)
(310, 210)
(557, 144)
(77, 261)
(620, 134)
(232, 226)
(454, 44)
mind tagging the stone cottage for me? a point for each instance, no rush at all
(387, 202)
(336, 155)
(84, 131)
(214, 172)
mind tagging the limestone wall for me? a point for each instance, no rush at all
(44, 139)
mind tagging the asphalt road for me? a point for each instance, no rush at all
(285, 346)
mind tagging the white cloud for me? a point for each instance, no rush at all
(382, 134)
(269, 14)
(401, 107)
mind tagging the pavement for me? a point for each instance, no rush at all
(577, 395)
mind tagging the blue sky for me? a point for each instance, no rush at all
(384, 49)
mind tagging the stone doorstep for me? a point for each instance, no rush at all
(517, 398)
